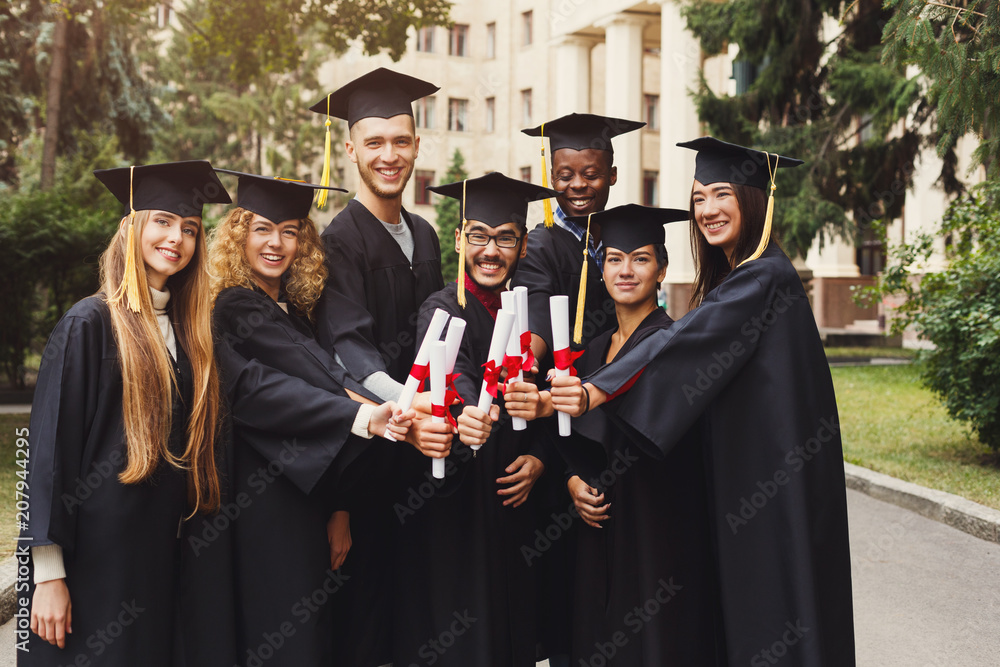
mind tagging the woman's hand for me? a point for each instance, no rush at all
(338, 533)
(474, 425)
(521, 475)
(568, 395)
(51, 612)
(522, 399)
(588, 502)
(387, 419)
(431, 439)
(399, 423)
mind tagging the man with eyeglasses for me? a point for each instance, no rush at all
(463, 544)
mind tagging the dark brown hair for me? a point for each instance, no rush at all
(710, 263)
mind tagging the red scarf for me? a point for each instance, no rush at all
(490, 300)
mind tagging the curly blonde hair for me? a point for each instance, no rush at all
(229, 267)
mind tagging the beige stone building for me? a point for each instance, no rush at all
(509, 65)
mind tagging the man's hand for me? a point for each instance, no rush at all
(521, 475)
(588, 502)
(338, 533)
(474, 425)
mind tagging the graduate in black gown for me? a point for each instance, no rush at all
(291, 462)
(383, 263)
(643, 581)
(583, 172)
(123, 433)
(464, 572)
(745, 374)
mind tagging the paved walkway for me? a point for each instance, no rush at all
(925, 594)
(15, 409)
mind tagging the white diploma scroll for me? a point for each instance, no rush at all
(498, 345)
(438, 320)
(559, 310)
(437, 353)
(508, 301)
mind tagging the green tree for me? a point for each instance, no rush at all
(956, 45)
(824, 97)
(449, 217)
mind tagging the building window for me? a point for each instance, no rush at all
(164, 12)
(491, 114)
(458, 45)
(458, 115)
(652, 112)
(526, 107)
(526, 174)
(491, 40)
(526, 20)
(425, 39)
(423, 178)
(650, 188)
(424, 112)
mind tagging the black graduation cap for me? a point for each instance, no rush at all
(181, 188)
(381, 93)
(581, 131)
(277, 199)
(632, 226)
(495, 199)
(720, 162)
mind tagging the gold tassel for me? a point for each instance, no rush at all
(545, 181)
(765, 236)
(581, 297)
(129, 289)
(461, 253)
(325, 180)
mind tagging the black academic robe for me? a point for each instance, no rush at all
(643, 582)
(292, 448)
(368, 316)
(747, 371)
(466, 592)
(120, 542)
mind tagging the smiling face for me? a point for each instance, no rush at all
(632, 277)
(584, 178)
(717, 214)
(168, 242)
(490, 266)
(384, 150)
(270, 250)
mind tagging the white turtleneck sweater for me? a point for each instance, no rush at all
(49, 558)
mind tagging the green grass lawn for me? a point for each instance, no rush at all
(870, 353)
(892, 424)
(8, 478)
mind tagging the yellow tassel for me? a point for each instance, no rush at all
(545, 181)
(129, 289)
(765, 236)
(581, 297)
(325, 180)
(461, 254)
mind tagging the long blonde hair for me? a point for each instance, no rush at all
(229, 266)
(148, 375)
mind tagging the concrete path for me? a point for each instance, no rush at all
(925, 593)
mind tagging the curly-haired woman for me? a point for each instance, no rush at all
(268, 270)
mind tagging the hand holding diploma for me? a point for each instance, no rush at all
(494, 364)
(561, 354)
(513, 360)
(420, 369)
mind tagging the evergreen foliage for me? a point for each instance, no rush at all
(449, 218)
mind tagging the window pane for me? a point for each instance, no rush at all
(526, 107)
(526, 174)
(423, 178)
(650, 183)
(491, 111)
(526, 28)
(491, 40)
(651, 112)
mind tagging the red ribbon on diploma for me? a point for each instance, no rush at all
(529, 360)
(513, 366)
(564, 359)
(491, 376)
(420, 373)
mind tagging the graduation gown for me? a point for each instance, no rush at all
(120, 542)
(368, 316)
(747, 371)
(643, 582)
(291, 448)
(466, 592)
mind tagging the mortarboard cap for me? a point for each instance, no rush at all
(631, 226)
(381, 93)
(720, 162)
(495, 199)
(181, 188)
(581, 131)
(277, 199)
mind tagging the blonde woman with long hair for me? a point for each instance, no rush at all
(123, 432)
(268, 271)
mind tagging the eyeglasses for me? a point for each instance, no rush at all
(502, 240)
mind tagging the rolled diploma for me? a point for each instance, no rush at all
(437, 353)
(521, 301)
(508, 302)
(498, 344)
(439, 319)
(559, 310)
